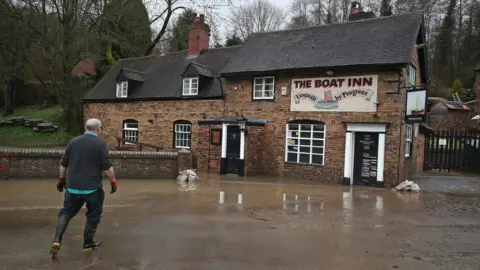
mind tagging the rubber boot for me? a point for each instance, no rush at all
(89, 233)
(62, 225)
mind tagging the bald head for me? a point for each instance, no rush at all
(93, 125)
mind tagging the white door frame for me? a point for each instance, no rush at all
(352, 128)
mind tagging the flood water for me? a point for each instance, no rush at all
(252, 223)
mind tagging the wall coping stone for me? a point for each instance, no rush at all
(43, 152)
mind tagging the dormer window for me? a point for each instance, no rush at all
(190, 86)
(122, 89)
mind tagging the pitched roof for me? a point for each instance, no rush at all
(454, 105)
(162, 75)
(384, 40)
(204, 70)
(133, 74)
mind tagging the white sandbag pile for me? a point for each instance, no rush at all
(187, 176)
(407, 186)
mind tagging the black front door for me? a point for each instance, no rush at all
(233, 150)
(365, 159)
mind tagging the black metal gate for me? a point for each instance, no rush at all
(452, 151)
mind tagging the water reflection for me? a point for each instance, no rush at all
(187, 186)
(298, 199)
(347, 206)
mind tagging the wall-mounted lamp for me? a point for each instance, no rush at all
(242, 123)
(329, 73)
(377, 103)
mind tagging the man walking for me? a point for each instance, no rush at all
(86, 157)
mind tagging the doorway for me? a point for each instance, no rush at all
(233, 150)
(365, 161)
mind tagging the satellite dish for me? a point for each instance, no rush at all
(476, 117)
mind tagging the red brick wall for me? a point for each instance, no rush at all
(163, 115)
(265, 146)
(208, 156)
(42, 163)
(278, 113)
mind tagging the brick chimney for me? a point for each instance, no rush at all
(356, 7)
(198, 36)
(357, 13)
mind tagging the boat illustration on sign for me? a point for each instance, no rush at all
(327, 103)
(419, 107)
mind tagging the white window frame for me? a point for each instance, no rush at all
(130, 133)
(311, 139)
(412, 75)
(183, 138)
(188, 89)
(122, 89)
(408, 139)
(262, 88)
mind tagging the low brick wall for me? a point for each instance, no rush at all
(44, 163)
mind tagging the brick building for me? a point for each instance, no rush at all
(323, 103)
(477, 87)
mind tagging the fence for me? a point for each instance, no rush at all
(452, 151)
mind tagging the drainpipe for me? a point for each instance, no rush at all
(400, 141)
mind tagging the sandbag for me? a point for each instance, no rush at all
(404, 185)
(182, 177)
(415, 188)
(192, 177)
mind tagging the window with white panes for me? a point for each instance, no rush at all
(130, 130)
(412, 75)
(183, 132)
(122, 89)
(190, 86)
(263, 88)
(408, 140)
(305, 143)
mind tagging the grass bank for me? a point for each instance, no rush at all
(19, 136)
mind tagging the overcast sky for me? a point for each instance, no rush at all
(222, 13)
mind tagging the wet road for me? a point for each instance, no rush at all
(159, 224)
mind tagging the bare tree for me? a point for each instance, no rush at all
(259, 16)
(300, 14)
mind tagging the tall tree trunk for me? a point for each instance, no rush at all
(9, 105)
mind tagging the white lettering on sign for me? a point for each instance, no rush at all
(347, 94)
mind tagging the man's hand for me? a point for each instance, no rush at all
(114, 186)
(61, 184)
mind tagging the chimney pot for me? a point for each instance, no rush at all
(356, 7)
(202, 18)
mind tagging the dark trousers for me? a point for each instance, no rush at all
(74, 202)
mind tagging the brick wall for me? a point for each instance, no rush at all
(278, 113)
(265, 146)
(42, 163)
(162, 115)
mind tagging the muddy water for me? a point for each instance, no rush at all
(253, 223)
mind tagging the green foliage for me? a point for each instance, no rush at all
(457, 87)
(126, 25)
(180, 30)
(233, 40)
(444, 68)
(19, 136)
